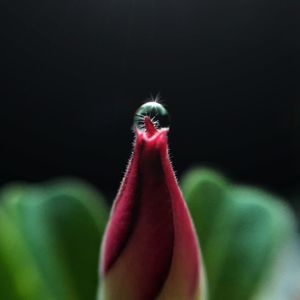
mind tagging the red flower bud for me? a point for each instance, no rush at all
(150, 249)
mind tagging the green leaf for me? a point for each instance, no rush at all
(242, 231)
(204, 190)
(61, 225)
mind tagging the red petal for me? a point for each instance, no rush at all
(150, 231)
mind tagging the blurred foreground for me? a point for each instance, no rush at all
(50, 237)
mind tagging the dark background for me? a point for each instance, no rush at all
(74, 72)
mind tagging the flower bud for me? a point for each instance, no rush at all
(150, 249)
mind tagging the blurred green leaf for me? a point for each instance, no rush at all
(242, 231)
(56, 229)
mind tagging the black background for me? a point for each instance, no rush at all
(74, 72)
